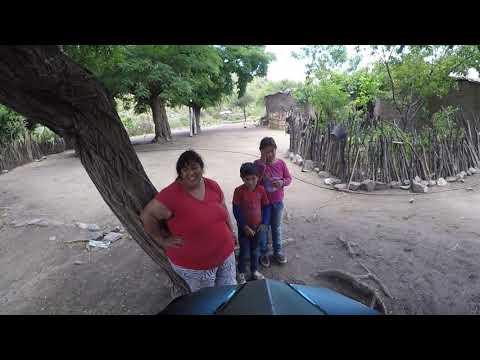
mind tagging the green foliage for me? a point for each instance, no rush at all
(190, 75)
(102, 60)
(329, 95)
(210, 83)
(246, 61)
(149, 71)
(364, 87)
(444, 119)
(323, 58)
(412, 74)
(230, 67)
(12, 125)
(42, 135)
(244, 101)
(409, 74)
(261, 87)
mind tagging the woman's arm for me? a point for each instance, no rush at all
(153, 216)
(229, 221)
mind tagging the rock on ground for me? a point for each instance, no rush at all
(354, 186)
(381, 185)
(441, 182)
(451, 179)
(367, 185)
(89, 227)
(112, 237)
(332, 181)
(307, 166)
(324, 174)
(461, 175)
(340, 187)
(419, 187)
(395, 184)
(95, 235)
(298, 160)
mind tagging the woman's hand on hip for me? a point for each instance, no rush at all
(171, 241)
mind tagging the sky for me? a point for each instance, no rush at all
(286, 67)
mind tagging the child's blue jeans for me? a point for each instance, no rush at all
(276, 211)
(249, 247)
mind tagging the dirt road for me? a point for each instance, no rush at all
(425, 252)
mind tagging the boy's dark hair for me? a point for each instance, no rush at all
(267, 141)
(187, 158)
(248, 169)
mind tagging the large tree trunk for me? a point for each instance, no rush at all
(244, 118)
(190, 121)
(42, 83)
(160, 119)
(196, 115)
(193, 124)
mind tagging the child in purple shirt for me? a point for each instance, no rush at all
(274, 176)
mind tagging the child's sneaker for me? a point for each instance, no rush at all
(279, 258)
(257, 276)
(241, 278)
(265, 261)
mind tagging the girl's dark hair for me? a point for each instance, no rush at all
(248, 169)
(267, 141)
(187, 158)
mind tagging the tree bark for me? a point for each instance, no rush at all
(191, 123)
(160, 119)
(196, 115)
(42, 83)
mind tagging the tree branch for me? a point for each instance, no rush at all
(42, 83)
(392, 85)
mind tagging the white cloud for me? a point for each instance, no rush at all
(285, 66)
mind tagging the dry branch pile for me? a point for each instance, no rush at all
(26, 149)
(385, 152)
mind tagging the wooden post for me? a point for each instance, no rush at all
(354, 166)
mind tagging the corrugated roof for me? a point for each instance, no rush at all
(286, 92)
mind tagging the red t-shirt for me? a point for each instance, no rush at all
(202, 224)
(251, 203)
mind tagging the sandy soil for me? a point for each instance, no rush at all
(425, 252)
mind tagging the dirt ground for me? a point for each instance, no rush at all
(424, 252)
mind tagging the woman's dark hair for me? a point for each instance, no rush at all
(187, 158)
(248, 169)
(267, 141)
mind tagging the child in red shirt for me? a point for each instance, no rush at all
(252, 211)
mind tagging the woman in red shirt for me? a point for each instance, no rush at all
(201, 240)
